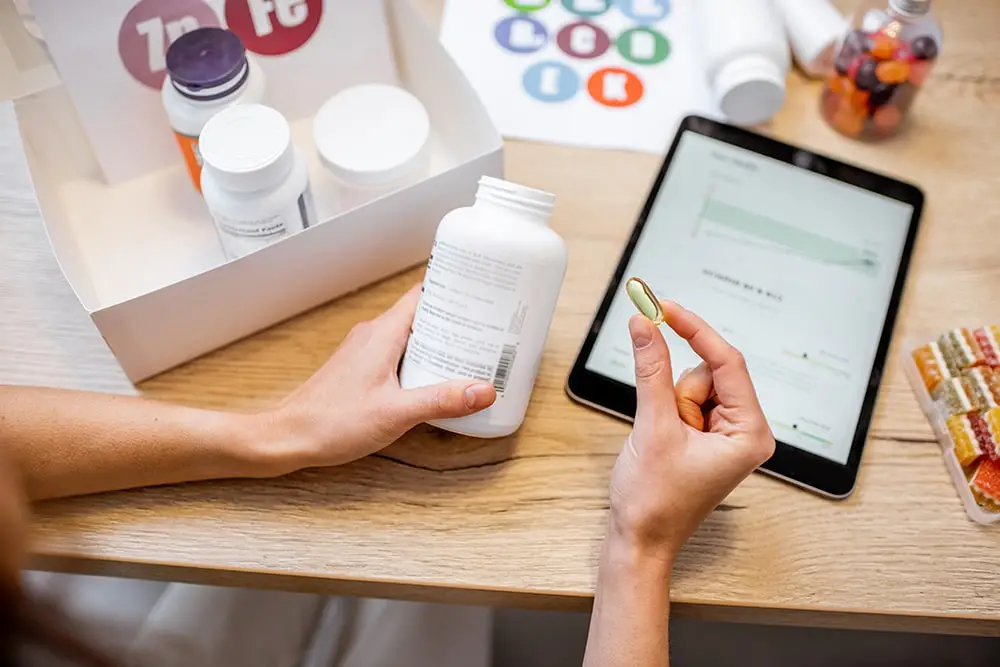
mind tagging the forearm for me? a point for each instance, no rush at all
(628, 627)
(69, 443)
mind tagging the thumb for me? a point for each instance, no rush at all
(456, 398)
(654, 380)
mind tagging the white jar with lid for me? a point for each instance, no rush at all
(488, 298)
(208, 70)
(373, 139)
(746, 57)
(255, 182)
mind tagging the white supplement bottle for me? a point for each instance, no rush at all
(488, 297)
(814, 27)
(374, 139)
(208, 70)
(746, 57)
(255, 182)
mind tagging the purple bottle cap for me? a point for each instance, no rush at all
(201, 62)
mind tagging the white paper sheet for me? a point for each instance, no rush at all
(599, 73)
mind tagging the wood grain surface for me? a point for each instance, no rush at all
(519, 520)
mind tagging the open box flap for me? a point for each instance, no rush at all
(54, 145)
(25, 66)
(418, 52)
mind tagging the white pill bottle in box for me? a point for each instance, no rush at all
(488, 297)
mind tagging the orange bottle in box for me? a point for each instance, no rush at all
(208, 70)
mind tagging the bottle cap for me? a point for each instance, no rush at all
(207, 64)
(749, 89)
(813, 27)
(538, 204)
(373, 135)
(247, 148)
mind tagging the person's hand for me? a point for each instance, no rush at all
(691, 445)
(353, 406)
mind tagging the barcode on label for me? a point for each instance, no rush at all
(503, 368)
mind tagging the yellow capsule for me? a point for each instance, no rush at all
(644, 299)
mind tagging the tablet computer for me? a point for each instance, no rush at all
(797, 259)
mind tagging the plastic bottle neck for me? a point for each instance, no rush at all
(513, 199)
(909, 9)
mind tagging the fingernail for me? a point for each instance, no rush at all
(478, 395)
(639, 329)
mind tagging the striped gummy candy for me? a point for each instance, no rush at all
(984, 436)
(986, 480)
(955, 397)
(965, 348)
(966, 444)
(949, 354)
(987, 338)
(931, 366)
(983, 381)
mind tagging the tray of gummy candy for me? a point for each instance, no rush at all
(957, 381)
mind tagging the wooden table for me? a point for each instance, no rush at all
(518, 521)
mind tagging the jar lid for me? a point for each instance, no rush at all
(372, 135)
(247, 147)
(202, 61)
(750, 89)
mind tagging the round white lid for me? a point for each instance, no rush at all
(247, 147)
(372, 134)
(750, 89)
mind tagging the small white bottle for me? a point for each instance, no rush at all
(489, 294)
(255, 182)
(373, 139)
(746, 57)
(814, 27)
(208, 70)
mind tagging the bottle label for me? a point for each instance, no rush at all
(241, 236)
(472, 311)
(192, 157)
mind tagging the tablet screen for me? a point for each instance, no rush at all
(794, 268)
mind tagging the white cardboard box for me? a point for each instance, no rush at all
(143, 256)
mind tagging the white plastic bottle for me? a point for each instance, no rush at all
(255, 182)
(746, 57)
(813, 27)
(489, 294)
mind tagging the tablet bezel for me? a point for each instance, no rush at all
(789, 462)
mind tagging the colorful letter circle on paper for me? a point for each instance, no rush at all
(587, 7)
(551, 81)
(583, 40)
(527, 5)
(615, 87)
(149, 27)
(274, 28)
(643, 46)
(644, 11)
(521, 34)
